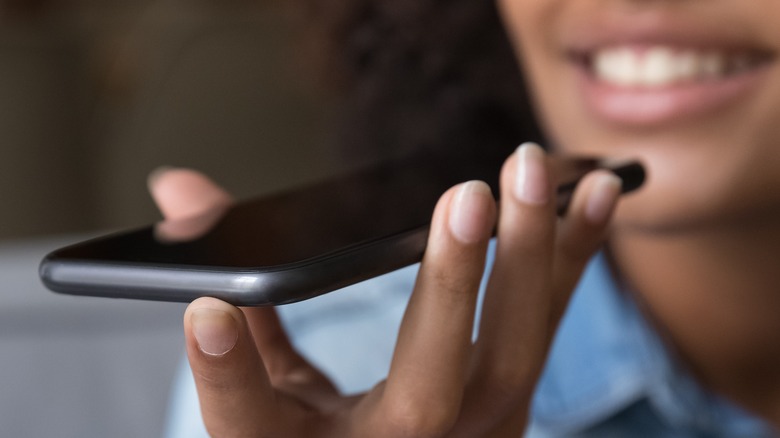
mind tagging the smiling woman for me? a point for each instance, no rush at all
(692, 88)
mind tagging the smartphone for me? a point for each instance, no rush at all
(290, 246)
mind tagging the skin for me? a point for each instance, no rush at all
(251, 382)
(700, 246)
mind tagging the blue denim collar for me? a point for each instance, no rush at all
(606, 358)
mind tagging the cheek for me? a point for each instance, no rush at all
(724, 169)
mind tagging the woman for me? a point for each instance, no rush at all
(673, 330)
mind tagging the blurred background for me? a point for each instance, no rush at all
(96, 94)
(93, 96)
(261, 95)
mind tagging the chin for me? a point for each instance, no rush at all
(679, 196)
(689, 209)
(640, 213)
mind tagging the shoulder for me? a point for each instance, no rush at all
(610, 374)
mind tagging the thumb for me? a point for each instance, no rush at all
(236, 397)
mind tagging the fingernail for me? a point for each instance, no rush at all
(531, 183)
(602, 198)
(467, 220)
(215, 331)
(155, 175)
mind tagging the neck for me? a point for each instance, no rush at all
(715, 297)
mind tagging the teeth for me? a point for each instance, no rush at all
(713, 65)
(659, 67)
(663, 66)
(688, 65)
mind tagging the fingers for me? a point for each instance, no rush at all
(512, 334)
(538, 262)
(180, 193)
(423, 391)
(578, 236)
(233, 386)
(287, 369)
(581, 234)
(438, 382)
(235, 393)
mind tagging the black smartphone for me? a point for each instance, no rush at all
(290, 246)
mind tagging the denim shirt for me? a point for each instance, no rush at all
(608, 373)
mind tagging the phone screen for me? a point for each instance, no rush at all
(312, 222)
(299, 225)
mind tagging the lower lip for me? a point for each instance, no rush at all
(646, 107)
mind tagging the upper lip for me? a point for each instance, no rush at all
(583, 37)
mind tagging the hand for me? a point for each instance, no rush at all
(251, 382)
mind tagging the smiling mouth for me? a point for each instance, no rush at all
(661, 66)
(650, 85)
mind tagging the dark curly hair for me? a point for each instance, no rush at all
(425, 73)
